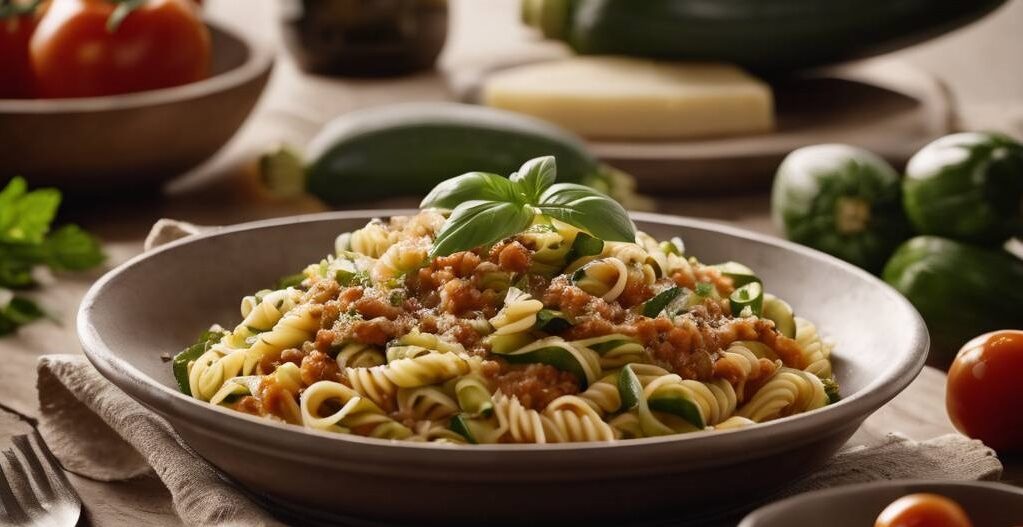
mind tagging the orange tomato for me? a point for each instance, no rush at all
(16, 30)
(985, 388)
(162, 43)
(923, 510)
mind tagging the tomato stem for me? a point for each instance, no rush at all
(10, 9)
(124, 8)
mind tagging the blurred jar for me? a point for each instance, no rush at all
(365, 38)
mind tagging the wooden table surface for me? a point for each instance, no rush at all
(296, 105)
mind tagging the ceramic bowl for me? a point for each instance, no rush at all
(156, 304)
(136, 139)
(859, 505)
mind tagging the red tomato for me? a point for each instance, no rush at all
(15, 67)
(161, 43)
(985, 388)
(923, 510)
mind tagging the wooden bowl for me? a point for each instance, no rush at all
(144, 309)
(137, 139)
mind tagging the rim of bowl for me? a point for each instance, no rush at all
(779, 507)
(800, 427)
(259, 60)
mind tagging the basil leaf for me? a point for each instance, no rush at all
(71, 248)
(589, 210)
(584, 245)
(472, 186)
(535, 176)
(18, 312)
(475, 223)
(25, 216)
(191, 353)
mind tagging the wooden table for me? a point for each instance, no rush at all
(292, 110)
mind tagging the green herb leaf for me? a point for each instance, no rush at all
(588, 209)
(191, 353)
(70, 248)
(453, 192)
(535, 176)
(25, 216)
(584, 245)
(479, 222)
(18, 312)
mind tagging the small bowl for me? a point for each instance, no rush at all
(158, 302)
(992, 504)
(136, 139)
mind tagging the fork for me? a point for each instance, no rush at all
(33, 487)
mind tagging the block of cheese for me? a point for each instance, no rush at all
(627, 98)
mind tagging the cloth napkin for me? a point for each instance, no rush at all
(99, 432)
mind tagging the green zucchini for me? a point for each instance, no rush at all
(750, 295)
(630, 390)
(767, 36)
(780, 312)
(654, 306)
(960, 290)
(842, 200)
(407, 149)
(967, 186)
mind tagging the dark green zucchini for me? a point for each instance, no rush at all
(967, 186)
(960, 290)
(766, 36)
(407, 149)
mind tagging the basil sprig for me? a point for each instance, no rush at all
(486, 208)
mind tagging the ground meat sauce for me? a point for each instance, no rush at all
(535, 385)
(447, 297)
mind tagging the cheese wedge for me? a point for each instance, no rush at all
(626, 98)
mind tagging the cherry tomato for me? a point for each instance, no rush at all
(161, 43)
(923, 510)
(16, 29)
(985, 388)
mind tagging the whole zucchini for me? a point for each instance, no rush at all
(961, 290)
(762, 35)
(407, 149)
(842, 200)
(967, 186)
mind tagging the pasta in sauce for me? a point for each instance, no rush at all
(530, 340)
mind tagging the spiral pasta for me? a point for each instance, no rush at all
(380, 383)
(788, 392)
(359, 355)
(518, 314)
(605, 278)
(400, 258)
(816, 352)
(550, 335)
(372, 240)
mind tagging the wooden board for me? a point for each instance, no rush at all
(883, 105)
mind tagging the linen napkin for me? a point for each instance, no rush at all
(99, 432)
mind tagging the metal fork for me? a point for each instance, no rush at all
(33, 487)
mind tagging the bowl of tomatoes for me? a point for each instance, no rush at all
(898, 504)
(101, 94)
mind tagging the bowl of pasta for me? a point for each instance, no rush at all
(536, 346)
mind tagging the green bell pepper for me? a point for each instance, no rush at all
(841, 200)
(961, 290)
(968, 187)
